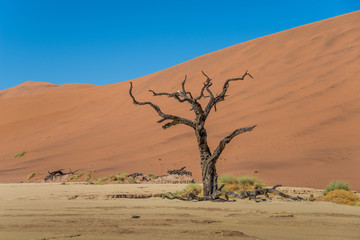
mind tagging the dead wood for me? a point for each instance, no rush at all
(215, 197)
(242, 195)
(56, 173)
(265, 191)
(180, 171)
(134, 175)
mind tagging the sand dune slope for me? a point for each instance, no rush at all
(304, 98)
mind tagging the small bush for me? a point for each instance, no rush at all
(131, 180)
(112, 178)
(122, 176)
(193, 188)
(153, 176)
(101, 180)
(77, 176)
(88, 176)
(119, 181)
(20, 154)
(226, 179)
(334, 185)
(243, 183)
(30, 176)
(250, 181)
(342, 196)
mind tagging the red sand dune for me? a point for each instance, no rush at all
(304, 98)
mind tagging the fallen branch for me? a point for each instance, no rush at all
(192, 197)
(245, 194)
(180, 171)
(134, 175)
(265, 191)
(58, 173)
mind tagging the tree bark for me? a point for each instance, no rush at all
(209, 178)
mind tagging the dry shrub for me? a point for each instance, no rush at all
(193, 188)
(342, 196)
(239, 184)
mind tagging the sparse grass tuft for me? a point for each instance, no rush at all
(190, 188)
(131, 180)
(193, 188)
(31, 175)
(88, 176)
(250, 182)
(20, 154)
(335, 185)
(153, 176)
(77, 176)
(243, 183)
(342, 196)
(101, 180)
(112, 178)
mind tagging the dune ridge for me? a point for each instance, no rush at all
(304, 98)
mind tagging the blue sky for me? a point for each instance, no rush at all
(102, 42)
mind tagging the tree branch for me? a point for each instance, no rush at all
(226, 84)
(227, 139)
(175, 119)
(206, 86)
(221, 97)
(183, 88)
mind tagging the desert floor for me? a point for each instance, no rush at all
(79, 211)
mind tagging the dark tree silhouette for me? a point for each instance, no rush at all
(208, 159)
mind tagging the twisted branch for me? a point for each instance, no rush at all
(226, 140)
(221, 97)
(175, 119)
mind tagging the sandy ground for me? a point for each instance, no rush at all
(78, 211)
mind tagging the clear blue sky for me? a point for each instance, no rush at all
(104, 41)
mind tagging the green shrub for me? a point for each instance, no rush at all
(112, 178)
(101, 180)
(77, 176)
(193, 188)
(131, 180)
(88, 176)
(226, 179)
(20, 154)
(334, 185)
(250, 181)
(153, 176)
(239, 184)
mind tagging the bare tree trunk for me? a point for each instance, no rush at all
(209, 175)
(209, 178)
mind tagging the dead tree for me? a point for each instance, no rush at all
(208, 159)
